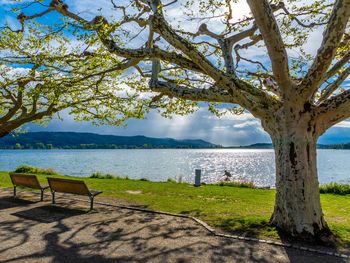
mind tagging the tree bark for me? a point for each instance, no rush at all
(297, 205)
(5, 130)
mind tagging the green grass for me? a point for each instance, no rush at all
(237, 184)
(240, 210)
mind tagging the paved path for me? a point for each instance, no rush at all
(38, 232)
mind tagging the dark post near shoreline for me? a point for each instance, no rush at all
(197, 178)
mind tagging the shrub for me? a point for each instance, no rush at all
(237, 184)
(99, 175)
(335, 188)
(144, 179)
(35, 170)
(171, 180)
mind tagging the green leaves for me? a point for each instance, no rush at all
(43, 71)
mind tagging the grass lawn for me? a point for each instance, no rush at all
(238, 210)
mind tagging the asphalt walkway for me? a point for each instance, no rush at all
(32, 231)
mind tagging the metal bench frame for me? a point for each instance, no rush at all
(28, 181)
(61, 185)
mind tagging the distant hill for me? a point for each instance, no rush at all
(259, 146)
(77, 140)
(345, 146)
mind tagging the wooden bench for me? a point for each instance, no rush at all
(27, 180)
(69, 186)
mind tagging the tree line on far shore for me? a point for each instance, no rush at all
(42, 146)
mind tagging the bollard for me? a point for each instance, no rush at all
(197, 178)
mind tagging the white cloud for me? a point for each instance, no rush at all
(230, 130)
(343, 124)
(246, 124)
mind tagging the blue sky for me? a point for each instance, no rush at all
(228, 130)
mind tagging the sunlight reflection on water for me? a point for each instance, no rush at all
(252, 165)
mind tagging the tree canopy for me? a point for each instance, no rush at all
(206, 54)
(43, 72)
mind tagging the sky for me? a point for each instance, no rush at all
(229, 130)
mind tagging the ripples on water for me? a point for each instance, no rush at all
(252, 165)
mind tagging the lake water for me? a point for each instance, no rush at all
(252, 165)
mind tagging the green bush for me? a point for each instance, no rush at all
(335, 188)
(35, 170)
(237, 184)
(171, 180)
(144, 179)
(99, 175)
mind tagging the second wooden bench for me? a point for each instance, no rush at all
(69, 186)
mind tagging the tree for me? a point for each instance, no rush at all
(40, 76)
(40, 145)
(18, 146)
(297, 98)
(49, 146)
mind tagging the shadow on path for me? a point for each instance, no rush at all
(69, 234)
(10, 202)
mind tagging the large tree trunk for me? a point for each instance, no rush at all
(297, 206)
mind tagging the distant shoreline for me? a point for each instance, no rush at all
(77, 140)
(212, 148)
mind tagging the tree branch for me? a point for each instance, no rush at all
(171, 89)
(333, 110)
(226, 44)
(268, 27)
(161, 27)
(17, 104)
(332, 37)
(337, 66)
(328, 90)
(241, 35)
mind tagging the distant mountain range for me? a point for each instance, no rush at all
(76, 140)
(345, 146)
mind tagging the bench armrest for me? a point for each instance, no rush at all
(94, 192)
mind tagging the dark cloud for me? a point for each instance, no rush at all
(229, 130)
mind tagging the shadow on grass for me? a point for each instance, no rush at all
(338, 232)
(249, 227)
(194, 212)
(260, 228)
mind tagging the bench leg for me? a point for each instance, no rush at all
(42, 195)
(14, 192)
(53, 198)
(91, 202)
